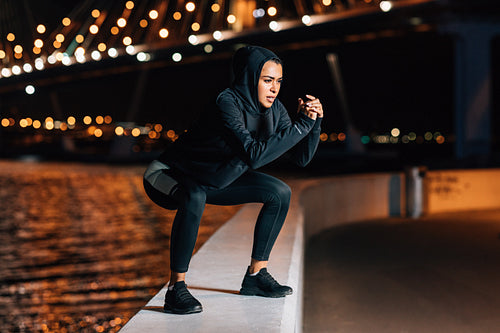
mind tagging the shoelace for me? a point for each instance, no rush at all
(270, 280)
(184, 295)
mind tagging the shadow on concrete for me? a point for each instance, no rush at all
(224, 291)
(434, 274)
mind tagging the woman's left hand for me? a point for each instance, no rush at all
(313, 105)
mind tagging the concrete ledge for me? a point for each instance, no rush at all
(215, 276)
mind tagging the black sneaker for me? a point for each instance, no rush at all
(263, 284)
(180, 301)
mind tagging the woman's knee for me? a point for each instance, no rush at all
(193, 198)
(281, 192)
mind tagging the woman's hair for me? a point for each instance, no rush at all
(277, 61)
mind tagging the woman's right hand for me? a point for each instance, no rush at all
(308, 108)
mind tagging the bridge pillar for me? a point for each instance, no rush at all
(473, 86)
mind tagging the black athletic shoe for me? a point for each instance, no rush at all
(180, 301)
(263, 284)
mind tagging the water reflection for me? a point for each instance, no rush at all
(82, 249)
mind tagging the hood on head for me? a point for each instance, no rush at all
(247, 65)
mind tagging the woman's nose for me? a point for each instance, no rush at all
(274, 86)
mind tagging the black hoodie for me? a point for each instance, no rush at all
(239, 133)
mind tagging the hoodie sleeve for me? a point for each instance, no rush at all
(259, 153)
(304, 151)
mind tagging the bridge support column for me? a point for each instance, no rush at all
(473, 86)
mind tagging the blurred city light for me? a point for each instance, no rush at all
(306, 19)
(30, 89)
(41, 29)
(177, 57)
(274, 26)
(386, 5)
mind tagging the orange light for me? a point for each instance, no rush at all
(440, 139)
(94, 29)
(215, 7)
(127, 40)
(66, 21)
(115, 30)
(136, 132)
(41, 29)
(153, 14)
(98, 133)
(11, 37)
(121, 22)
(38, 43)
(323, 137)
(272, 11)
(96, 13)
(231, 19)
(342, 136)
(129, 5)
(177, 16)
(143, 23)
(163, 33)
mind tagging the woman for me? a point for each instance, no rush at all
(215, 163)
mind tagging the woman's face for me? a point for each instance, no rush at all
(269, 83)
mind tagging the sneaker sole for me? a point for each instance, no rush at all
(168, 309)
(258, 292)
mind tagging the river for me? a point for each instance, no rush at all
(82, 248)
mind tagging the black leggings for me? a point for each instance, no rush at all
(250, 187)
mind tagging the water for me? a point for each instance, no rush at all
(82, 248)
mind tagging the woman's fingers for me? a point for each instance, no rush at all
(301, 104)
(311, 107)
(314, 105)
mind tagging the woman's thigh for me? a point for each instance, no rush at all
(252, 186)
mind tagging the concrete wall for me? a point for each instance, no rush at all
(337, 200)
(457, 190)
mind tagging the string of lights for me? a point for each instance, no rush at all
(93, 30)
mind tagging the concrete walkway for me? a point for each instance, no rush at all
(215, 276)
(436, 274)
